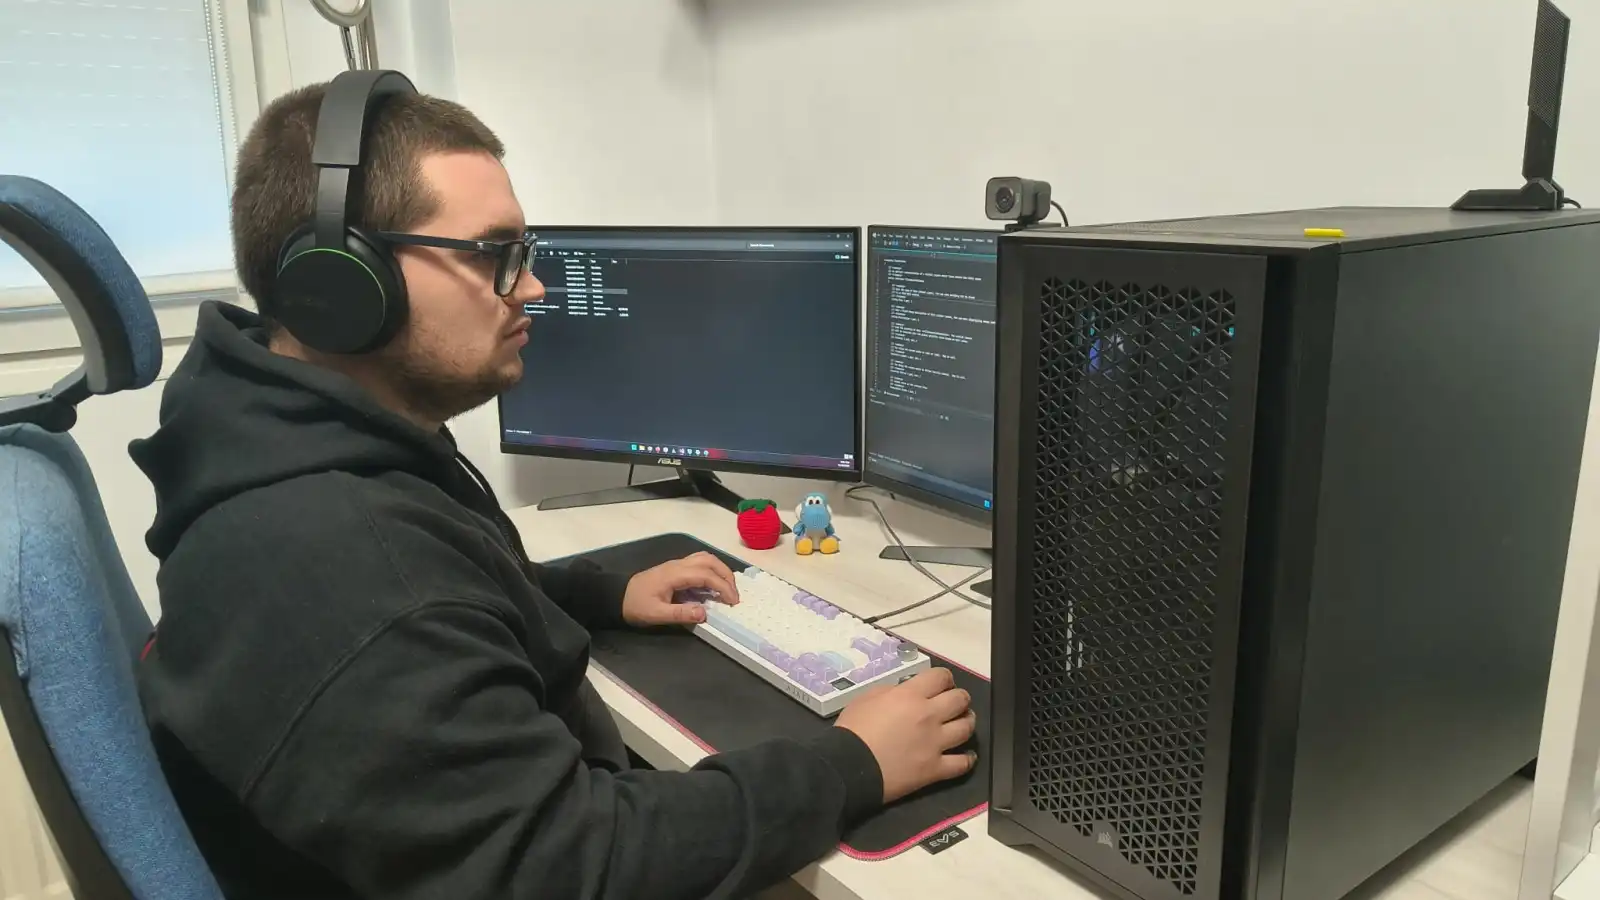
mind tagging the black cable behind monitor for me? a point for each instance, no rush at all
(1540, 192)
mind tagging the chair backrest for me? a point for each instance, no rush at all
(71, 624)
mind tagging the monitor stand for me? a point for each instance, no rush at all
(974, 557)
(1538, 195)
(689, 483)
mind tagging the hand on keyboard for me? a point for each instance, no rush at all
(650, 594)
(909, 728)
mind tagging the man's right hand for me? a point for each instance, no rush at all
(909, 727)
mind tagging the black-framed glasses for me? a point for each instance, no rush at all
(511, 258)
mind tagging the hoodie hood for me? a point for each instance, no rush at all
(235, 417)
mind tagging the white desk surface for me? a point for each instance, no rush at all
(1478, 857)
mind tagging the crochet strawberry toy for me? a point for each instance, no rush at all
(759, 525)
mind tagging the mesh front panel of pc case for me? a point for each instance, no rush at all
(1132, 412)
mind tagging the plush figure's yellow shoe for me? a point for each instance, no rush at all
(803, 547)
(830, 545)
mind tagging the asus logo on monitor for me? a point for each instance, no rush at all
(669, 461)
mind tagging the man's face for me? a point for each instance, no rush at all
(461, 345)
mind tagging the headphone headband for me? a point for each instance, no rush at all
(342, 124)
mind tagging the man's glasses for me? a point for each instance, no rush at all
(510, 257)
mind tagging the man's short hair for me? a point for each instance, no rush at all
(275, 182)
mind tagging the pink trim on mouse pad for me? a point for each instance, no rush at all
(844, 848)
(910, 842)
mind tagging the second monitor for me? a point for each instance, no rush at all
(704, 349)
(930, 374)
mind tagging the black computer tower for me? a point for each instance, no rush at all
(1280, 530)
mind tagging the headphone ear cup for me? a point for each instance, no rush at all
(339, 301)
(392, 304)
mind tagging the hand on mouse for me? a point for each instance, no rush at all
(909, 727)
(650, 594)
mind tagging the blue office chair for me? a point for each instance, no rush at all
(71, 625)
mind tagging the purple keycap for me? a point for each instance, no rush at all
(800, 597)
(824, 688)
(831, 613)
(891, 646)
(860, 675)
(809, 661)
(796, 671)
(865, 646)
(829, 673)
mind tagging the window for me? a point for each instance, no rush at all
(131, 108)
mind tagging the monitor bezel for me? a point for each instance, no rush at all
(895, 486)
(629, 457)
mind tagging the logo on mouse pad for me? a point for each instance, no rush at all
(1105, 834)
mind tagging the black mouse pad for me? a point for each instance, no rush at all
(720, 706)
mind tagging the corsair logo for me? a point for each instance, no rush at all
(1105, 834)
(669, 461)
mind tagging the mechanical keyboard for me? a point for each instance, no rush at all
(808, 648)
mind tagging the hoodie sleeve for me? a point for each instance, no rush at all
(584, 592)
(426, 768)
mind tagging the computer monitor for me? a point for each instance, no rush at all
(703, 349)
(930, 374)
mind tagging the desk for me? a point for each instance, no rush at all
(1478, 857)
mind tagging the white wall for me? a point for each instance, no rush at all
(898, 110)
(604, 107)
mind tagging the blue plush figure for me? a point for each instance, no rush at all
(813, 526)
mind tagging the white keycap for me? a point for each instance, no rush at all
(817, 653)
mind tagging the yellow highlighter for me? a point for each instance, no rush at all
(1325, 232)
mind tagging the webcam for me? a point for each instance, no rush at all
(1020, 200)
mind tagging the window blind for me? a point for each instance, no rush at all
(117, 105)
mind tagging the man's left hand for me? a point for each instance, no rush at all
(648, 600)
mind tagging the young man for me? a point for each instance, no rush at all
(361, 687)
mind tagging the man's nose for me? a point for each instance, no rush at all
(529, 290)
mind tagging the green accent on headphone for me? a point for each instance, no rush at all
(355, 259)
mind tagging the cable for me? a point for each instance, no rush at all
(630, 476)
(950, 589)
(1063, 212)
(895, 536)
(1568, 201)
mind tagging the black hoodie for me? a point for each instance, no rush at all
(360, 687)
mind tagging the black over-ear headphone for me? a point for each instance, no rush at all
(339, 288)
